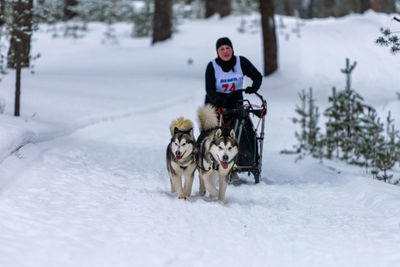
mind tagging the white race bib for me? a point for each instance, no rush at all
(228, 82)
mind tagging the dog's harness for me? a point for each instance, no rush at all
(215, 165)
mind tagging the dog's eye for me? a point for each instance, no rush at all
(220, 147)
(176, 143)
(184, 144)
(230, 148)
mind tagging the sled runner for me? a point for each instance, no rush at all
(248, 121)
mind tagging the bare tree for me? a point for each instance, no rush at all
(162, 20)
(269, 37)
(20, 42)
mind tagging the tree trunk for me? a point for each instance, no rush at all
(162, 20)
(68, 12)
(17, 102)
(20, 41)
(224, 8)
(310, 9)
(2, 11)
(211, 7)
(269, 37)
(374, 5)
(288, 7)
(387, 6)
(365, 5)
(328, 8)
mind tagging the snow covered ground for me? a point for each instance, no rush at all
(83, 180)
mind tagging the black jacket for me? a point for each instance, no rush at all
(217, 99)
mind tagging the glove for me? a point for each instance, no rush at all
(250, 90)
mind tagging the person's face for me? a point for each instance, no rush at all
(225, 52)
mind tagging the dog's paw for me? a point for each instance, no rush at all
(182, 196)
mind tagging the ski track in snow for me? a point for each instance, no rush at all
(34, 138)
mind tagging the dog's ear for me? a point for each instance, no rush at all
(176, 130)
(218, 133)
(191, 132)
(232, 134)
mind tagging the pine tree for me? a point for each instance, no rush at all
(333, 125)
(388, 154)
(389, 38)
(308, 120)
(312, 122)
(302, 112)
(344, 126)
(370, 137)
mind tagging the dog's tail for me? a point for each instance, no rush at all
(207, 116)
(181, 124)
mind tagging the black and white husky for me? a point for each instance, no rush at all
(218, 150)
(181, 156)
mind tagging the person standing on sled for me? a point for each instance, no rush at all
(225, 74)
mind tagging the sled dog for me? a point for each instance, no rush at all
(218, 150)
(181, 153)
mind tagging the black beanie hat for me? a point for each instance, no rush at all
(223, 41)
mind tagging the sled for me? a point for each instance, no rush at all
(248, 121)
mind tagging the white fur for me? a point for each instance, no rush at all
(209, 178)
(207, 116)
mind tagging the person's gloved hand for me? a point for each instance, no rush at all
(250, 90)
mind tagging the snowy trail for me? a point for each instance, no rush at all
(100, 197)
(31, 137)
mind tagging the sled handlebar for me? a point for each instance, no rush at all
(239, 92)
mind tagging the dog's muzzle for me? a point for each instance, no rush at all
(178, 155)
(225, 161)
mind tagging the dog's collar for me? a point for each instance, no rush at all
(188, 159)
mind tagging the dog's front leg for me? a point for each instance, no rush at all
(189, 177)
(223, 183)
(177, 184)
(172, 186)
(209, 183)
(202, 189)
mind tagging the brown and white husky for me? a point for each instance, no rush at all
(218, 150)
(181, 152)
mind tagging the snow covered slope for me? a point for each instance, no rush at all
(90, 187)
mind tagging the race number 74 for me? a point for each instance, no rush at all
(226, 86)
